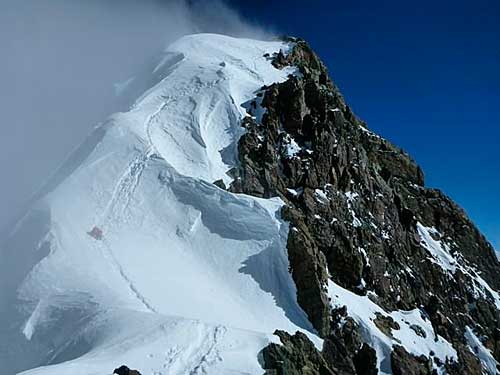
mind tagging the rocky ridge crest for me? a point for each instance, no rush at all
(361, 217)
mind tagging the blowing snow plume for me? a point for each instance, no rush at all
(66, 65)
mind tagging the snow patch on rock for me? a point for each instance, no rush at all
(364, 311)
(478, 349)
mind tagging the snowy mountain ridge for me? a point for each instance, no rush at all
(237, 198)
(203, 269)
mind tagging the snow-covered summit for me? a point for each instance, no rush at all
(191, 118)
(131, 254)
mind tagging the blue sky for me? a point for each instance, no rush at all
(426, 76)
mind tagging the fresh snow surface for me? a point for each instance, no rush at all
(187, 278)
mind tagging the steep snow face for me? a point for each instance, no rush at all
(131, 254)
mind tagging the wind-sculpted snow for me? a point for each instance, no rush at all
(187, 278)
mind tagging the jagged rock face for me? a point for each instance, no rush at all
(360, 214)
(404, 363)
(297, 356)
(344, 347)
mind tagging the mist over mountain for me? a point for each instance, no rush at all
(232, 215)
(62, 64)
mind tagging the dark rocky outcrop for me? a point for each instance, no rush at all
(296, 356)
(344, 347)
(124, 370)
(358, 209)
(404, 363)
(386, 324)
(365, 360)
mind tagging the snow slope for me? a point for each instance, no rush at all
(187, 278)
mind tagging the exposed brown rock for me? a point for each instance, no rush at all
(353, 201)
(386, 324)
(365, 360)
(403, 363)
(296, 356)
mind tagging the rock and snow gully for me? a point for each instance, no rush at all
(239, 217)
